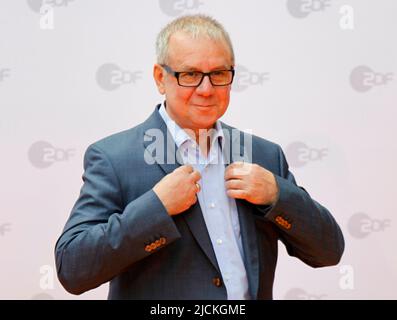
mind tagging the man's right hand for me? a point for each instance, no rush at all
(177, 190)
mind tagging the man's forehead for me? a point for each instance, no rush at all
(182, 39)
(182, 51)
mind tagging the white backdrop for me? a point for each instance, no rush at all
(315, 76)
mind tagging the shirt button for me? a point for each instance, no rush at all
(219, 241)
(212, 205)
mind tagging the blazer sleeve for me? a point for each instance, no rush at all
(307, 229)
(102, 237)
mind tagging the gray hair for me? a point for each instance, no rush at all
(195, 25)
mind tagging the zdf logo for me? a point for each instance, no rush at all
(362, 78)
(244, 78)
(4, 73)
(37, 5)
(42, 154)
(174, 8)
(300, 294)
(5, 227)
(302, 8)
(299, 154)
(110, 76)
(360, 225)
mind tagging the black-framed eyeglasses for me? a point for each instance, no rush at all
(194, 78)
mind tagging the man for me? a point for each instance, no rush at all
(169, 211)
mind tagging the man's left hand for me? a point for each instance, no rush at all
(251, 182)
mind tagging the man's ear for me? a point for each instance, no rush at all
(158, 75)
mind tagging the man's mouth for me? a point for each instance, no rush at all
(204, 106)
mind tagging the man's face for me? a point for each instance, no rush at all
(194, 107)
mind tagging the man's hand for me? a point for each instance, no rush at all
(251, 182)
(177, 190)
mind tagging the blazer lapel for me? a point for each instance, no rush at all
(195, 220)
(169, 159)
(250, 245)
(234, 150)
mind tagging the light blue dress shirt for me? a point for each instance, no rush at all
(219, 211)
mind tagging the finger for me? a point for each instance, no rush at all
(194, 200)
(232, 173)
(240, 170)
(187, 168)
(236, 194)
(196, 176)
(234, 184)
(198, 187)
(236, 164)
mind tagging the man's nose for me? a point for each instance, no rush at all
(205, 88)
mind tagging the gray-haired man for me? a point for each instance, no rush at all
(204, 227)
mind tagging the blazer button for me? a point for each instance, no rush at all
(217, 282)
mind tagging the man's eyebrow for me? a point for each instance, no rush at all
(191, 68)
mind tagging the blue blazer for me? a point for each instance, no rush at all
(119, 231)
